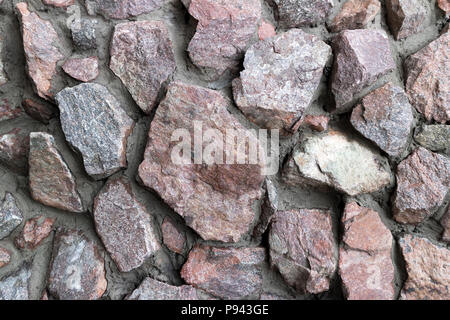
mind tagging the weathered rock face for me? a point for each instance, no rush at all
(59, 3)
(142, 57)
(335, 160)
(427, 266)
(95, 124)
(226, 273)
(38, 111)
(215, 200)
(355, 14)
(16, 285)
(14, 147)
(151, 289)
(301, 13)
(34, 232)
(40, 42)
(173, 239)
(360, 58)
(83, 34)
(303, 249)
(3, 77)
(10, 215)
(225, 30)
(77, 270)
(407, 17)
(124, 225)
(5, 257)
(435, 137)
(423, 180)
(122, 9)
(317, 123)
(427, 81)
(445, 222)
(269, 207)
(385, 117)
(280, 79)
(51, 181)
(84, 69)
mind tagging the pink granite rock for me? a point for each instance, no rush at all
(266, 30)
(173, 239)
(317, 123)
(444, 5)
(151, 289)
(5, 257)
(34, 232)
(59, 3)
(83, 69)
(407, 17)
(355, 14)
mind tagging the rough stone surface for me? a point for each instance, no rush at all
(427, 267)
(444, 5)
(225, 30)
(16, 286)
(95, 124)
(215, 200)
(142, 57)
(423, 180)
(34, 232)
(445, 222)
(5, 257)
(173, 239)
(151, 289)
(435, 137)
(7, 112)
(386, 118)
(59, 3)
(360, 58)
(337, 161)
(10, 215)
(355, 14)
(407, 17)
(84, 34)
(124, 225)
(40, 42)
(266, 30)
(3, 77)
(77, 270)
(122, 9)
(51, 181)
(301, 13)
(226, 273)
(317, 123)
(83, 69)
(269, 207)
(14, 147)
(427, 81)
(303, 249)
(38, 111)
(280, 79)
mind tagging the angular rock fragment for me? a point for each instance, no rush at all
(266, 30)
(5, 257)
(7, 112)
(444, 5)
(151, 289)
(10, 215)
(122, 9)
(225, 30)
(124, 225)
(77, 270)
(83, 34)
(317, 123)
(84, 69)
(142, 57)
(280, 79)
(301, 13)
(51, 181)
(173, 239)
(95, 124)
(303, 249)
(427, 81)
(435, 137)
(407, 17)
(38, 111)
(386, 118)
(427, 267)
(361, 57)
(337, 161)
(34, 232)
(59, 3)
(269, 207)
(355, 14)
(14, 148)
(216, 199)
(423, 180)
(3, 77)
(226, 273)
(16, 286)
(40, 42)
(445, 222)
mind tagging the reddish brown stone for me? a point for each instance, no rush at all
(355, 14)
(303, 249)
(427, 266)
(59, 3)
(151, 289)
(84, 69)
(266, 30)
(37, 110)
(7, 112)
(5, 257)
(34, 232)
(445, 222)
(407, 17)
(317, 123)
(122, 9)
(14, 148)
(444, 5)
(423, 180)
(227, 273)
(173, 239)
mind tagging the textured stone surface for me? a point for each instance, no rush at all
(427, 81)
(59, 3)
(5, 257)
(124, 225)
(51, 181)
(38, 111)
(10, 215)
(444, 5)
(226, 273)
(225, 30)
(84, 33)
(40, 42)
(386, 118)
(215, 200)
(142, 57)
(360, 58)
(427, 267)
(83, 69)
(95, 124)
(266, 30)
(122, 9)
(303, 249)
(435, 137)
(337, 161)
(151, 289)
(269, 207)
(355, 14)
(34, 232)
(445, 222)
(280, 79)
(173, 239)
(407, 17)
(16, 286)
(77, 270)
(317, 123)
(3, 77)
(301, 13)
(14, 146)
(423, 180)
(8, 112)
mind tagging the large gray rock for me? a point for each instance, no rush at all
(17, 285)
(435, 137)
(301, 13)
(122, 9)
(10, 215)
(83, 34)
(151, 289)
